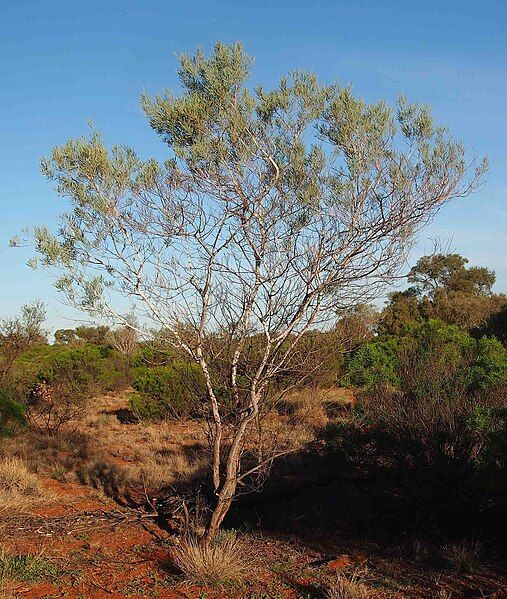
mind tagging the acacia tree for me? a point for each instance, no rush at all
(274, 211)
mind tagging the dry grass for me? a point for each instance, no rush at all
(313, 407)
(111, 456)
(305, 408)
(211, 565)
(150, 456)
(310, 413)
(462, 555)
(20, 489)
(6, 590)
(349, 586)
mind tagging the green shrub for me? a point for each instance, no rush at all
(27, 367)
(150, 356)
(439, 356)
(431, 423)
(490, 366)
(87, 370)
(12, 415)
(374, 363)
(77, 371)
(167, 391)
(71, 377)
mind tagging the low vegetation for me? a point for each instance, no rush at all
(20, 489)
(423, 410)
(348, 586)
(463, 555)
(26, 568)
(222, 562)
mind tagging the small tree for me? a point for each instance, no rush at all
(126, 339)
(274, 211)
(18, 333)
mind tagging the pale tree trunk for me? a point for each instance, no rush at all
(227, 491)
(222, 506)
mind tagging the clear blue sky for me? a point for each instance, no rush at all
(63, 63)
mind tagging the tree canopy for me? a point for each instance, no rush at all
(445, 288)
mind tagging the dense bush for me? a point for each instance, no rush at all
(79, 372)
(149, 355)
(445, 354)
(435, 436)
(70, 377)
(12, 415)
(374, 363)
(167, 391)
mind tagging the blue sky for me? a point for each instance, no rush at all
(63, 63)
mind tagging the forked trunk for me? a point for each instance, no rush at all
(224, 501)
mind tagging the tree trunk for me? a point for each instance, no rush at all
(222, 506)
(226, 493)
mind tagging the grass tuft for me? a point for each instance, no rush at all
(463, 555)
(26, 568)
(348, 586)
(221, 562)
(20, 488)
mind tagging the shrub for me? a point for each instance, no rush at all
(77, 372)
(151, 356)
(210, 564)
(12, 415)
(373, 363)
(437, 441)
(69, 378)
(167, 391)
(437, 355)
(51, 406)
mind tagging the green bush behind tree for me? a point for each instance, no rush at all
(173, 391)
(454, 355)
(12, 415)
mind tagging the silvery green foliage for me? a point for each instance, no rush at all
(333, 188)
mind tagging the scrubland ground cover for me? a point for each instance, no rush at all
(395, 492)
(395, 485)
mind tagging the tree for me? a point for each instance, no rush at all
(497, 324)
(18, 333)
(98, 335)
(446, 289)
(449, 272)
(125, 340)
(401, 311)
(356, 325)
(274, 211)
